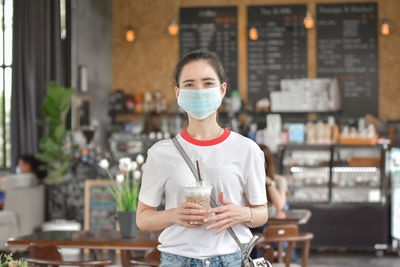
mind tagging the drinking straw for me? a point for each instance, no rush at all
(198, 170)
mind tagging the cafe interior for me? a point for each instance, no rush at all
(87, 87)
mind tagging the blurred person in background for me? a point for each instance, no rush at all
(27, 173)
(277, 189)
(276, 184)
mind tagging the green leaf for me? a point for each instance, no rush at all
(50, 147)
(125, 195)
(55, 108)
(50, 108)
(45, 157)
(57, 175)
(60, 133)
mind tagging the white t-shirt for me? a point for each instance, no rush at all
(231, 163)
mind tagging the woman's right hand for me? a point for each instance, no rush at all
(186, 212)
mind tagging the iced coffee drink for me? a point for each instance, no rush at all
(199, 193)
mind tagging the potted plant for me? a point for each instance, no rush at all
(125, 188)
(10, 262)
(54, 153)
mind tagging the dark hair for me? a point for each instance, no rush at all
(210, 57)
(35, 165)
(269, 162)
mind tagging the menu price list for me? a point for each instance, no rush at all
(280, 52)
(212, 29)
(347, 48)
(102, 208)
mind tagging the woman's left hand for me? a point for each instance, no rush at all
(227, 215)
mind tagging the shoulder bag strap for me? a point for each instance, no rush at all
(213, 203)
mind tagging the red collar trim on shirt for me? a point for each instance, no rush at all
(211, 142)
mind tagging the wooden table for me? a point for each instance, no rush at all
(111, 239)
(94, 240)
(294, 216)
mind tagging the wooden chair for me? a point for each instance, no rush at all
(49, 255)
(151, 258)
(279, 234)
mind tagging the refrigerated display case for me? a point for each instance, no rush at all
(395, 192)
(346, 189)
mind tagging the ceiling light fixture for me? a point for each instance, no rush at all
(130, 35)
(308, 21)
(253, 33)
(386, 27)
(173, 28)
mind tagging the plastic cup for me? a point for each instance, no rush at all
(199, 193)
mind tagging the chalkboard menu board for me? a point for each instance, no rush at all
(212, 29)
(347, 48)
(280, 52)
(99, 206)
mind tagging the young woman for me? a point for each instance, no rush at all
(231, 163)
(276, 184)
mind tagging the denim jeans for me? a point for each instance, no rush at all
(230, 260)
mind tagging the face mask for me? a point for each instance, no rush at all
(17, 170)
(200, 103)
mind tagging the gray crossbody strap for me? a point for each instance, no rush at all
(213, 203)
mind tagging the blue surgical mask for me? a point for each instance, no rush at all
(17, 170)
(200, 103)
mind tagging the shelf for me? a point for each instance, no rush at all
(336, 169)
(306, 166)
(297, 201)
(357, 146)
(225, 113)
(336, 205)
(127, 116)
(344, 165)
(153, 113)
(355, 169)
(295, 169)
(355, 186)
(294, 146)
(305, 147)
(300, 113)
(306, 186)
